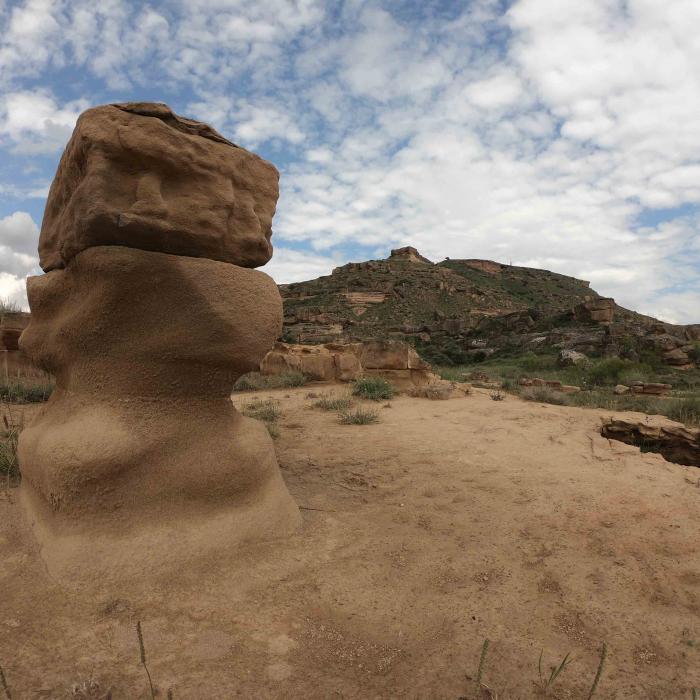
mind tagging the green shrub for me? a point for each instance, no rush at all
(25, 393)
(254, 381)
(334, 403)
(543, 394)
(611, 371)
(627, 376)
(7, 306)
(9, 436)
(267, 411)
(290, 379)
(510, 385)
(359, 416)
(694, 353)
(534, 363)
(683, 410)
(374, 388)
(452, 374)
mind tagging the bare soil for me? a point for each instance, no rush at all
(446, 523)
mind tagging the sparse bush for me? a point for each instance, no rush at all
(510, 385)
(683, 410)
(694, 353)
(359, 416)
(7, 306)
(9, 437)
(334, 403)
(544, 394)
(254, 381)
(534, 363)
(628, 376)
(611, 371)
(374, 388)
(290, 379)
(452, 374)
(25, 393)
(267, 411)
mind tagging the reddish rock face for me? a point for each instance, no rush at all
(395, 361)
(138, 175)
(410, 254)
(601, 311)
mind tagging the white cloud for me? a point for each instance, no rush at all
(13, 290)
(538, 136)
(19, 236)
(289, 265)
(33, 122)
(19, 233)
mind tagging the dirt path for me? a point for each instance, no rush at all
(447, 523)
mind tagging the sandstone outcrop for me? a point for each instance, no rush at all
(600, 310)
(138, 175)
(396, 361)
(653, 388)
(676, 442)
(139, 456)
(410, 254)
(569, 358)
(553, 384)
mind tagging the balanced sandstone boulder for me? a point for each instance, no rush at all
(139, 459)
(138, 175)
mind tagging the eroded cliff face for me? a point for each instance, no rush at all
(459, 310)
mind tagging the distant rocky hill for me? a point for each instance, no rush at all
(458, 311)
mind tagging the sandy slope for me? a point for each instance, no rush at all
(448, 522)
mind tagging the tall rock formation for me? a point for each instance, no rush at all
(147, 314)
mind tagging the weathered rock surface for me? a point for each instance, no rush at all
(138, 175)
(459, 311)
(410, 254)
(139, 457)
(676, 442)
(396, 361)
(568, 358)
(330, 362)
(554, 384)
(139, 440)
(653, 388)
(600, 310)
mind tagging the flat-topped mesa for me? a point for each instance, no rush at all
(410, 254)
(138, 175)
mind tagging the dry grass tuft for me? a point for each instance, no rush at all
(360, 416)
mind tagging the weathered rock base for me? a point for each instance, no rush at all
(139, 456)
(393, 360)
(674, 441)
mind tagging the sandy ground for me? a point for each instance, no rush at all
(447, 523)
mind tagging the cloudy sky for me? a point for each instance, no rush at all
(554, 134)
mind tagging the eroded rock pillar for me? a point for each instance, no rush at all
(146, 316)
